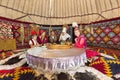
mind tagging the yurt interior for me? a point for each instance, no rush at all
(59, 39)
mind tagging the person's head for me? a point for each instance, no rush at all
(52, 33)
(76, 32)
(34, 37)
(42, 33)
(33, 32)
(64, 29)
(74, 25)
(63, 33)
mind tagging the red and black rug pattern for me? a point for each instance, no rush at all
(109, 51)
(5, 54)
(107, 66)
(19, 73)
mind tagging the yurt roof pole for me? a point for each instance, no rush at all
(50, 14)
(50, 10)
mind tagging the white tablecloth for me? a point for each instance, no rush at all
(56, 60)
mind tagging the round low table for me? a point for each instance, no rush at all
(53, 60)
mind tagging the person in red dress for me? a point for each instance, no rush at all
(42, 38)
(80, 42)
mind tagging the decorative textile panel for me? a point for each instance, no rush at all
(6, 31)
(8, 44)
(11, 29)
(104, 36)
(21, 34)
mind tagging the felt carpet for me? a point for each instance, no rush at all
(107, 66)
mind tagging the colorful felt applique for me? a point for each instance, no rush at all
(107, 66)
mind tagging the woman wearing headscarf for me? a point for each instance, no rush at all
(42, 38)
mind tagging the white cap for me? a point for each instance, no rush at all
(74, 24)
(64, 30)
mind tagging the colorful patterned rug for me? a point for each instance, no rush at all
(109, 51)
(12, 67)
(67, 76)
(20, 73)
(104, 65)
(5, 54)
(107, 66)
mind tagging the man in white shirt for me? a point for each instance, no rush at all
(64, 36)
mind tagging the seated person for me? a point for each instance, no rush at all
(80, 40)
(53, 37)
(33, 42)
(64, 36)
(42, 38)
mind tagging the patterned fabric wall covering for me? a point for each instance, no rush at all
(104, 36)
(19, 31)
(22, 37)
(5, 31)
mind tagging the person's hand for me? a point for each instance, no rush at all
(61, 39)
(75, 39)
(40, 45)
(73, 44)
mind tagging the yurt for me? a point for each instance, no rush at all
(59, 39)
